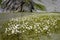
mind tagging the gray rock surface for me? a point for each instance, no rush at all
(17, 5)
(51, 5)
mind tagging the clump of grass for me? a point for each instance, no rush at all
(31, 27)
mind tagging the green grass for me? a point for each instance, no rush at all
(31, 26)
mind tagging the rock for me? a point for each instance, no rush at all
(17, 5)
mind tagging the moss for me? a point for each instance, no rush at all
(31, 27)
